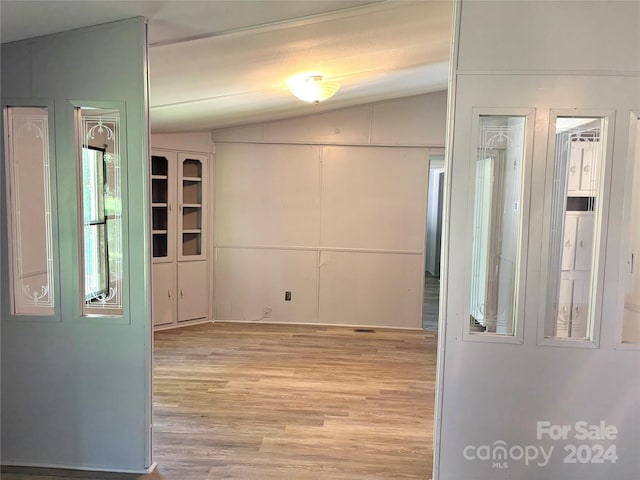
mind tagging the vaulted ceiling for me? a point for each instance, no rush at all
(222, 63)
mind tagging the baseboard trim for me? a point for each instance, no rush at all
(82, 468)
(345, 325)
(188, 323)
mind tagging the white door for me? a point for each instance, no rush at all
(76, 323)
(164, 293)
(536, 381)
(193, 291)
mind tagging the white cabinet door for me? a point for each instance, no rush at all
(164, 293)
(163, 205)
(569, 246)
(589, 174)
(193, 291)
(584, 242)
(565, 299)
(575, 166)
(192, 198)
(579, 307)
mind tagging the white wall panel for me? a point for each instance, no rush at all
(512, 387)
(267, 195)
(248, 280)
(349, 125)
(560, 35)
(419, 120)
(188, 142)
(370, 289)
(374, 198)
(76, 391)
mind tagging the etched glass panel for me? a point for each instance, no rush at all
(29, 211)
(101, 244)
(631, 274)
(578, 164)
(496, 225)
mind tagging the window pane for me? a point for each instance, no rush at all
(497, 223)
(101, 211)
(631, 275)
(29, 211)
(576, 194)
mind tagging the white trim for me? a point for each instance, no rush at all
(186, 323)
(596, 290)
(332, 144)
(444, 256)
(632, 163)
(285, 24)
(83, 468)
(321, 249)
(319, 324)
(586, 73)
(523, 236)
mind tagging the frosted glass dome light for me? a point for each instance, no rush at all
(312, 88)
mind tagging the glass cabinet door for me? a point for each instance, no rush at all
(162, 205)
(192, 193)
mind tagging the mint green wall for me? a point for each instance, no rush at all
(76, 392)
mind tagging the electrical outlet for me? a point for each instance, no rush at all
(287, 296)
(267, 312)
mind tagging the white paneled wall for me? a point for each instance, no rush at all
(267, 195)
(374, 198)
(371, 289)
(248, 280)
(340, 227)
(330, 207)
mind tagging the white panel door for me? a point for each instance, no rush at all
(193, 290)
(569, 246)
(575, 166)
(76, 388)
(164, 293)
(584, 241)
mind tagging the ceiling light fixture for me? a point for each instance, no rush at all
(312, 87)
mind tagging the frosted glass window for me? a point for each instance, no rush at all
(578, 165)
(101, 239)
(29, 211)
(631, 274)
(497, 221)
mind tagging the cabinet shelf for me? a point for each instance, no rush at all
(180, 267)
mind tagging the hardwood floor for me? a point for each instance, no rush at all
(431, 302)
(267, 402)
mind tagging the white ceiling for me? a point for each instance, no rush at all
(222, 63)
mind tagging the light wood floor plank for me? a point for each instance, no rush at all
(279, 402)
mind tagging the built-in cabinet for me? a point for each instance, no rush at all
(178, 202)
(577, 248)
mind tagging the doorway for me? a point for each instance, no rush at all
(431, 294)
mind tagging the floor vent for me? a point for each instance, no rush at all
(364, 330)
